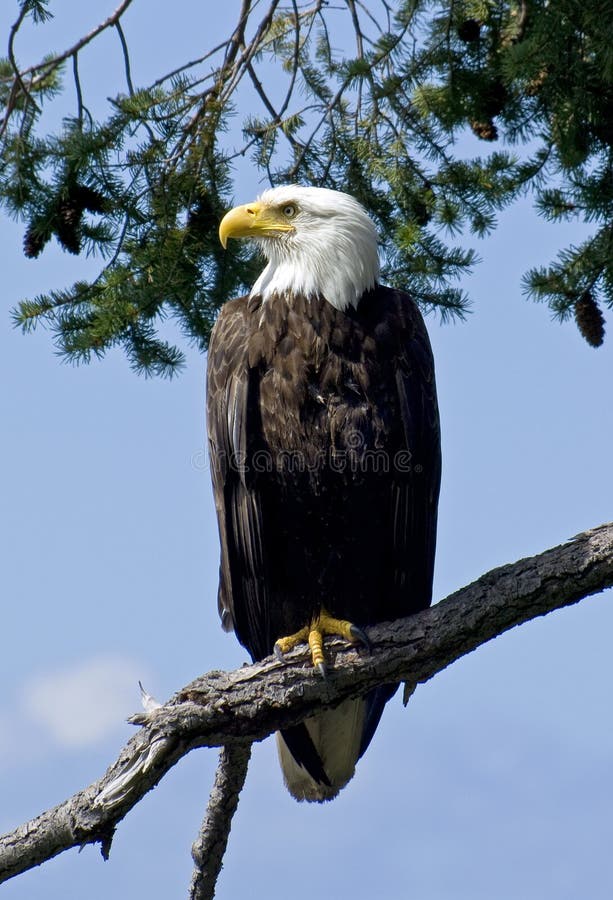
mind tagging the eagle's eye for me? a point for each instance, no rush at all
(289, 210)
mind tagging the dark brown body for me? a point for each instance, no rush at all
(324, 437)
(325, 452)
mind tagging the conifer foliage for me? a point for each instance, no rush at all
(434, 114)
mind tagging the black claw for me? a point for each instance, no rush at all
(278, 653)
(321, 668)
(360, 636)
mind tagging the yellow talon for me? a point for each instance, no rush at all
(322, 625)
(316, 641)
(329, 625)
(285, 644)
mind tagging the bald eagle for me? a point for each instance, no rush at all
(324, 441)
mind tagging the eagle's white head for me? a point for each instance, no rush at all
(316, 241)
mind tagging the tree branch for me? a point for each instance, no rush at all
(43, 69)
(57, 60)
(210, 846)
(231, 709)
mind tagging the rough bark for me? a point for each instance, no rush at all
(232, 709)
(210, 846)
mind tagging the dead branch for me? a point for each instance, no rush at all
(210, 846)
(231, 709)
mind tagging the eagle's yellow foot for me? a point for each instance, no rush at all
(314, 634)
(285, 644)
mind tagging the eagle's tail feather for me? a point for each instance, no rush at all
(318, 757)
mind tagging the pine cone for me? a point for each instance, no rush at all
(494, 98)
(88, 198)
(589, 319)
(533, 87)
(469, 31)
(33, 242)
(486, 131)
(68, 225)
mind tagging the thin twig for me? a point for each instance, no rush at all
(19, 83)
(42, 70)
(78, 89)
(230, 74)
(50, 64)
(360, 51)
(210, 846)
(126, 57)
(188, 65)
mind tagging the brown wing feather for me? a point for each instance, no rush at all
(415, 494)
(231, 416)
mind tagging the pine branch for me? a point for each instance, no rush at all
(380, 121)
(231, 709)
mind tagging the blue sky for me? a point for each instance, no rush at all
(495, 781)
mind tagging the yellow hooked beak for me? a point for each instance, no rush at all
(252, 220)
